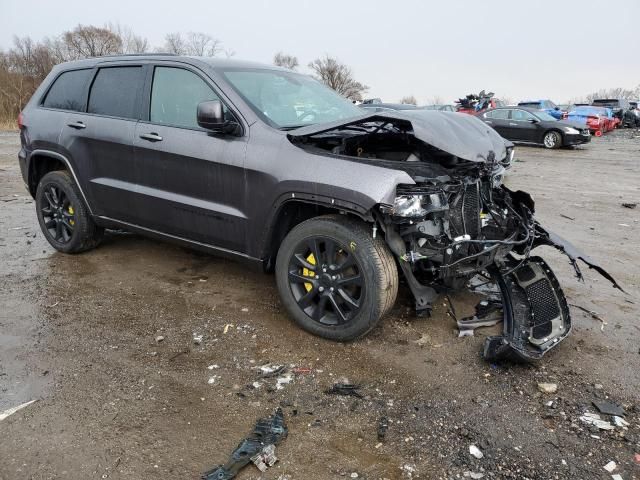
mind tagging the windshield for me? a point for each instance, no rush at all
(288, 100)
(608, 103)
(545, 117)
(529, 104)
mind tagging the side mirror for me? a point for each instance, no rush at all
(557, 108)
(533, 120)
(211, 115)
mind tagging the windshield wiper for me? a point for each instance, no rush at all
(293, 127)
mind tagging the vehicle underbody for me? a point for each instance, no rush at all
(457, 222)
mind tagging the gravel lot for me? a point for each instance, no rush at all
(78, 333)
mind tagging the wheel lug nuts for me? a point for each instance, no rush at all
(317, 277)
(321, 289)
(324, 270)
(331, 289)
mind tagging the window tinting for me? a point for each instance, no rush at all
(175, 96)
(498, 114)
(520, 115)
(68, 91)
(115, 91)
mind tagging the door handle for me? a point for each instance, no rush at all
(513, 124)
(152, 137)
(77, 125)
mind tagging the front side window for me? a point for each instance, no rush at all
(115, 92)
(68, 91)
(175, 96)
(498, 114)
(287, 99)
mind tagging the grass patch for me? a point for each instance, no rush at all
(8, 124)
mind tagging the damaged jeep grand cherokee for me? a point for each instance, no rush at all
(270, 166)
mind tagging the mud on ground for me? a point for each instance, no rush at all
(78, 333)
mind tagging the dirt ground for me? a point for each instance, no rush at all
(78, 334)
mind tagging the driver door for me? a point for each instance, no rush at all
(191, 182)
(521, 127)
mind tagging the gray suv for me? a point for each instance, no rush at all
(273, 168)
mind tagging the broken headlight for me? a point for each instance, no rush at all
(408, 206)
(418, 205)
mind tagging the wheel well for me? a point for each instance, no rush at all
(39, 166)
(289, 215)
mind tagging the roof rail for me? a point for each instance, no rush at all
(161, 54)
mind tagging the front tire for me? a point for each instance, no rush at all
(552, 139)
(63, 217)
(334, 278)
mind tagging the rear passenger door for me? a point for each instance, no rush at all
(100, 139)
(191, 181)
(498, 119)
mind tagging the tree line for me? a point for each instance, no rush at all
(25, 65)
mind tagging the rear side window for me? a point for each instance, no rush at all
(498, 114)
(115, 92)
(68, 91)
(175, 95)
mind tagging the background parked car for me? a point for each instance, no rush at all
(528, 125)
(618, 105)
(381, 107)
(545, 105)
(597, 119)
(636, 114)
(442, 108)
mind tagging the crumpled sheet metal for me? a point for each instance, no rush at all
(267, 431)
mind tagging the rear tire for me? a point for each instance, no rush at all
(325, 304)
(552, 139)
(63, 216)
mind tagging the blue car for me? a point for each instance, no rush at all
(544, 105)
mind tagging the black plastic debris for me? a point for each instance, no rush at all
(345, 389)
(488, 313)
(608, 408)
(257, 447)
(629, 205)
(383, 425)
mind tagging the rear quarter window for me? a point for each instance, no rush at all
(115, 92)
(68, 91)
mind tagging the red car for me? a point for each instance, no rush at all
(597, 119)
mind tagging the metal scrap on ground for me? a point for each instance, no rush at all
(258, 447)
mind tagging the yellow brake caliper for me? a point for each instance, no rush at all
(309, 273)
(71, 220)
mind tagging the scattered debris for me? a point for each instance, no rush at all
(383, 426)
(197, 339)
(566, 216)
(267, 431)
(302, 370)
(488, 313)
(283, 380)
(636, 458)
(630, 205)
(425, 339)
(213, 379)
(475, 451)
(227, 327)
(345, 389)
(265, 458)
(13, 410)
(610, 467)
(214, 366)
(616, 477)
(624, 225)
(593, 314)
(474, 475)
(620, 422)
(548, 387)
(354, 475)
(159, 339)
(595, 420)
(608, 408)
(268, 370)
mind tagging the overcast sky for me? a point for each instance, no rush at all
(445, 48)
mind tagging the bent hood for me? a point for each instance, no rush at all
(458, 134)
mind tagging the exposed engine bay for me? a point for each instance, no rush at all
(458, 220)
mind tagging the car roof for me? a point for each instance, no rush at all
(514, 107)
(194, 60)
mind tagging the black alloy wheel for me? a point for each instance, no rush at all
(326, 280)
(58, 214)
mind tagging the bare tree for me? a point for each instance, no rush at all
(89, 41)
(131, 43)
(287, 61)
(339, 77)
(174, 43)
(202, 44)
(436, 100)
(196, 43)
(409, 100)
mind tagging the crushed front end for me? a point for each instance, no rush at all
(457, 222)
